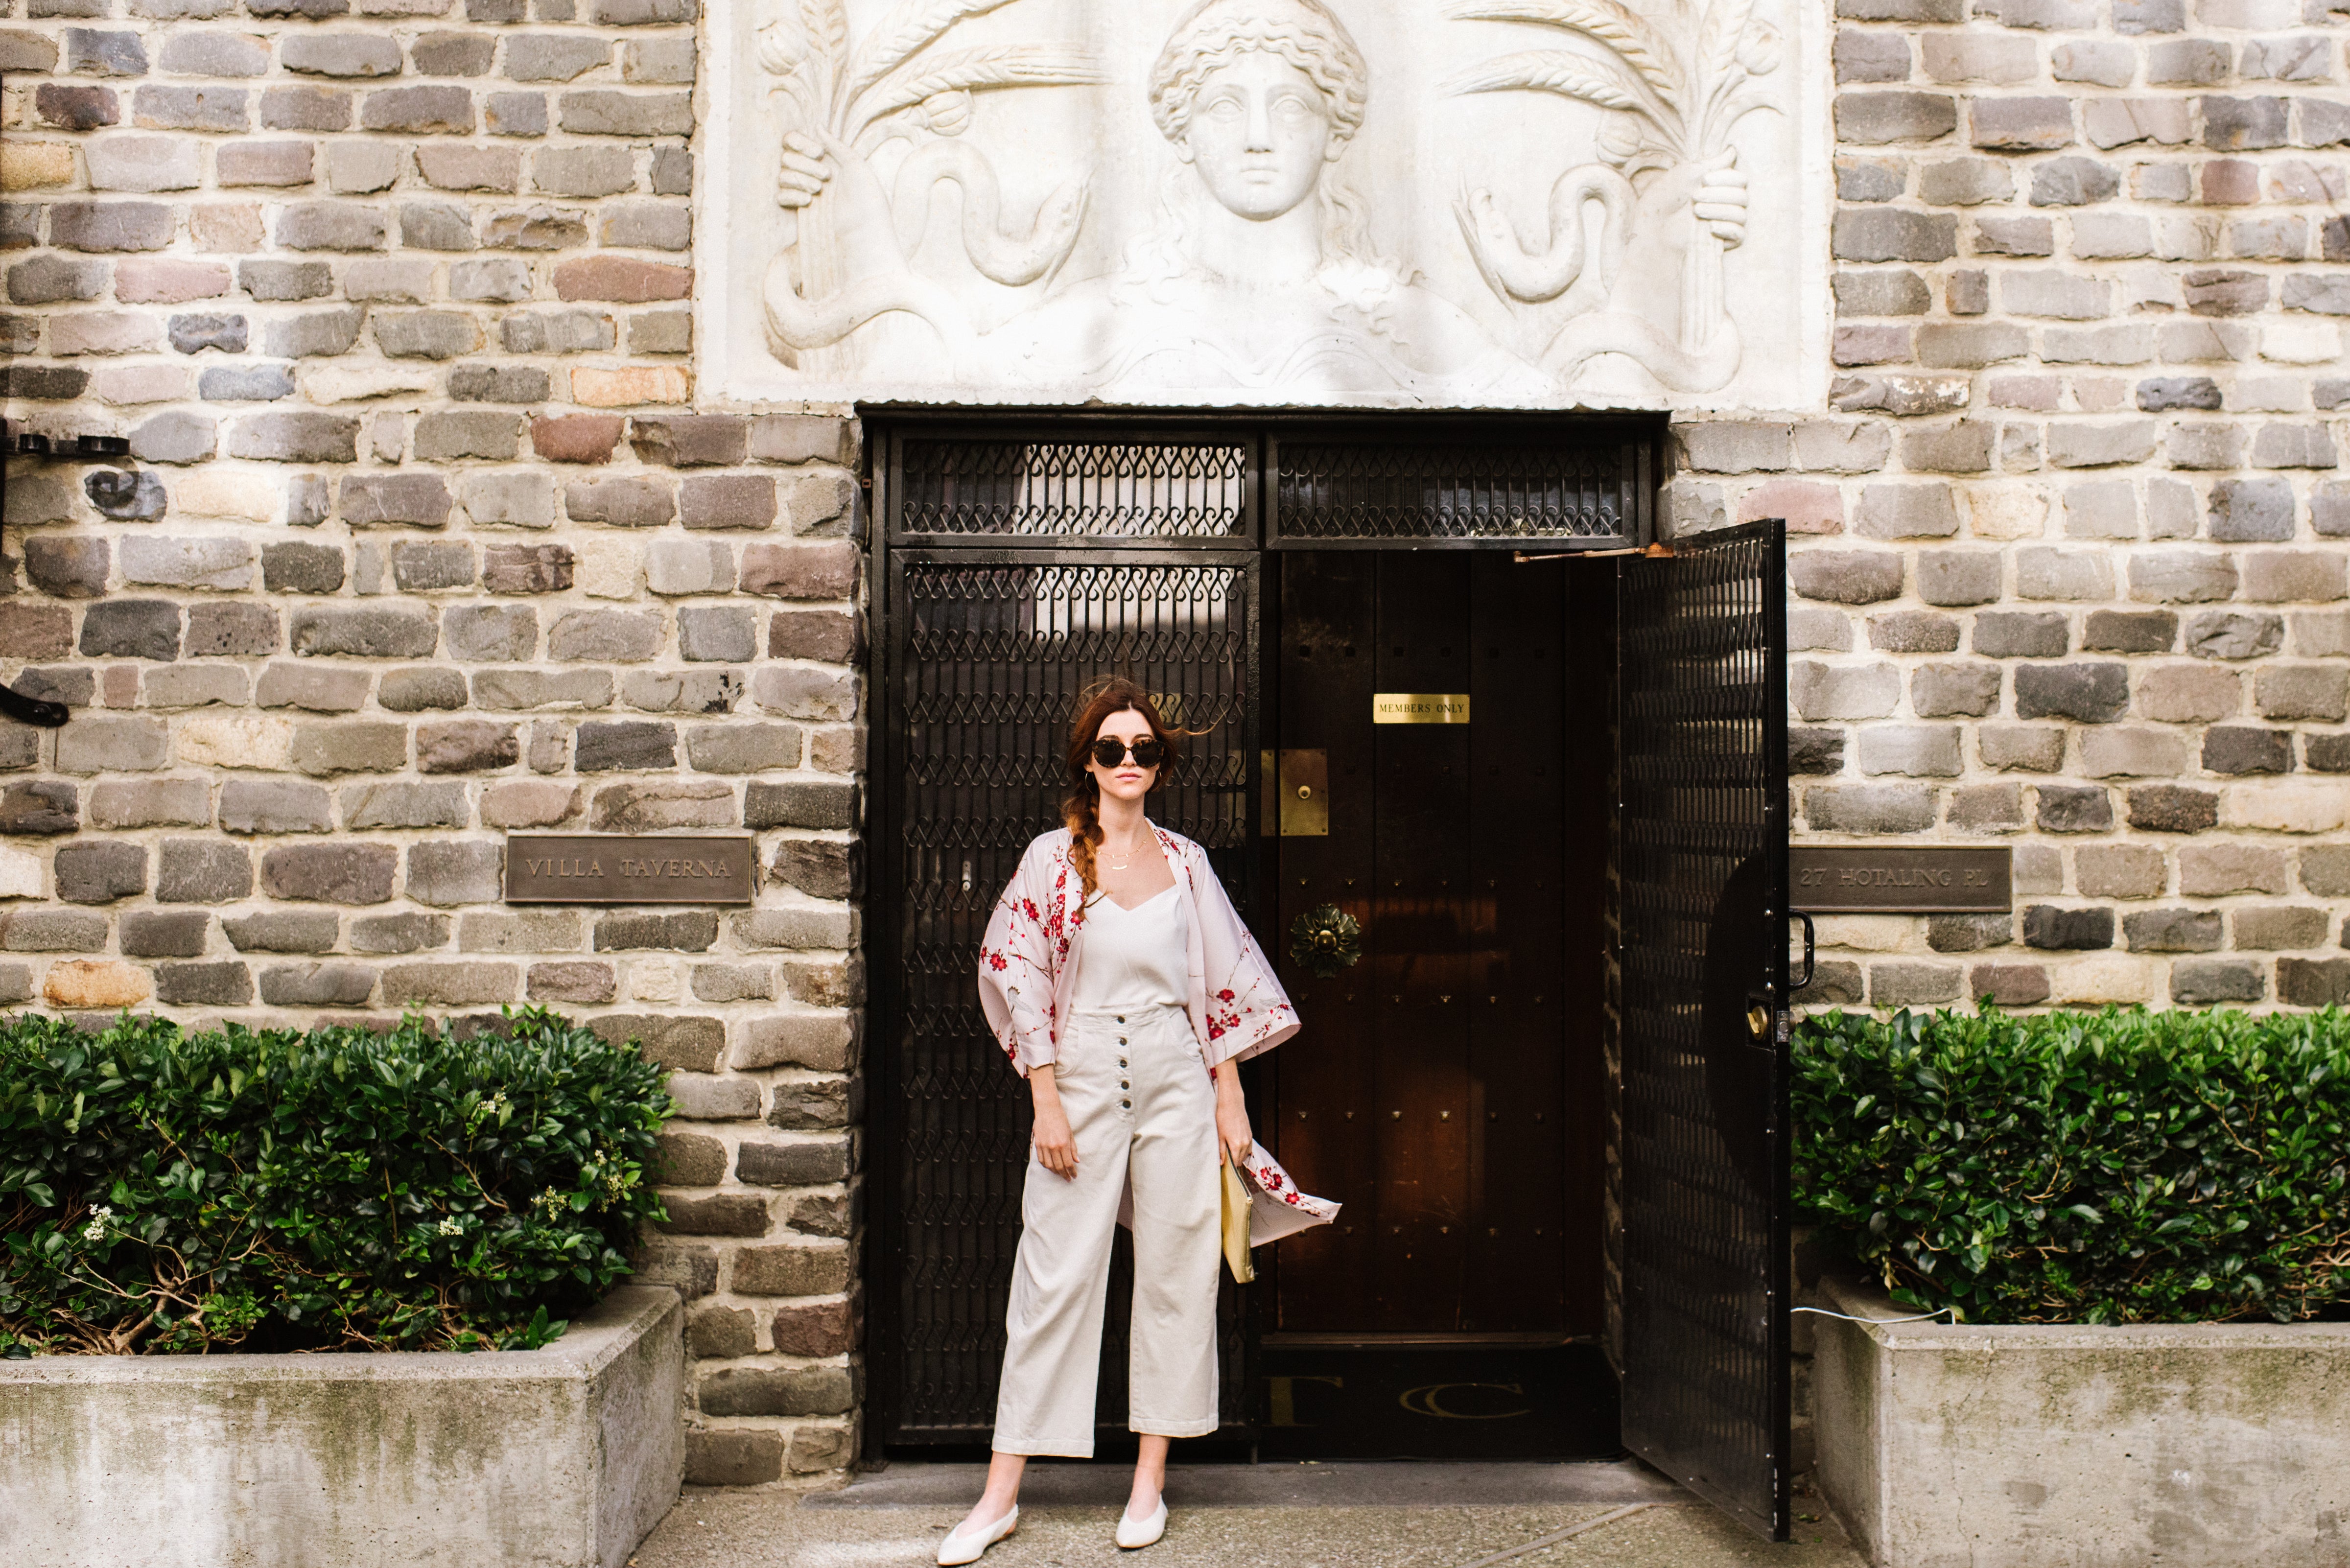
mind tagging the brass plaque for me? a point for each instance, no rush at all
(1893, 879)
(1304, 790)
(1419, 708)
(627, 869)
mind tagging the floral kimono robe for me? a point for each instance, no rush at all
(1028, 959)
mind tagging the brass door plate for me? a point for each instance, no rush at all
(1304, 792)
(1419, 708)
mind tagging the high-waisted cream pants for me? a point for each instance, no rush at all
(1140, 1105)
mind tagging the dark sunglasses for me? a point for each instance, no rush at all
(1147, 752)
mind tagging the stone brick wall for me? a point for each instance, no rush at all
(425, 537)
(422, 540)
(2069, 552)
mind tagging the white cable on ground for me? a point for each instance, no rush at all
(1921, 1317)
(1556, 1536)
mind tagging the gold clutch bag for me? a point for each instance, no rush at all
(1236, 1224)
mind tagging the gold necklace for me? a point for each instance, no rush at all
(1115, 863)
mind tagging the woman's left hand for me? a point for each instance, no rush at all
(1232, 1137)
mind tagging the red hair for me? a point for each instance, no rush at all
(1081, 808)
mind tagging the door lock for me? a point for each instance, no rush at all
(1304, 793)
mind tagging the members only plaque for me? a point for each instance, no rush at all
(1897, 879)
(626, 868)
(1419, 707)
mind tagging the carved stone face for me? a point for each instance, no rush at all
(1259, 135)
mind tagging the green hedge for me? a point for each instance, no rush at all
(165, 1191)
(2115, 1167)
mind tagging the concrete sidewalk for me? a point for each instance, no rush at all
(1250, 1516)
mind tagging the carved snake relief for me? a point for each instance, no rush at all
(800, 323)
(1538, 278)
(1511, 269)
(841, 100)
(1013, 260)
(1662, 355)
(852, 265)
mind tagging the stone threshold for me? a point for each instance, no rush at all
(1353, 1483)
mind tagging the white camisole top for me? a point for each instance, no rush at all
(1134, 958)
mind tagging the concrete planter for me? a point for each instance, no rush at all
(560, 1458)
(2081, 1446)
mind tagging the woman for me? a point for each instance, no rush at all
(1120, 982)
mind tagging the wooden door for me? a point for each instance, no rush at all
(1429, 1089)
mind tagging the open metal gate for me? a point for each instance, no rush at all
(1019, 560)
(1016, 572)
(1701, 867)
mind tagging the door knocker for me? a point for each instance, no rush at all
(1324, 941)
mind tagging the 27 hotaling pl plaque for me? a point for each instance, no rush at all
(1897, 878)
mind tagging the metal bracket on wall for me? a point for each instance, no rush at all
(16, 704)
(28, 444)
(1653, 552)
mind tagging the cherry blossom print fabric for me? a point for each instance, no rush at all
(1035, 939)
(1277, 1208)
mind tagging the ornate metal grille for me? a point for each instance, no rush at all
(1121, 487)
(994, 618)
(990, 650)
(1702, 864)
(1592, 490)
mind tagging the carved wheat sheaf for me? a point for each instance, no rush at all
(1686, 90)
(1552, 70)
(848, 98)
(895, 67)
(1622, 29)
(1683, 90)
(912, 27)
(827, 24)
(972, 70)
(1724, 29)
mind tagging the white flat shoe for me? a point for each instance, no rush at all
(1135, 1533)
(961, 1547)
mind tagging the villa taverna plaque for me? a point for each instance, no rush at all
(1488, 204)
(627, 869)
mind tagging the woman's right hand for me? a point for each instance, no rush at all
(1056, 1147)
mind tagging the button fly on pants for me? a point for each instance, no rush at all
(1156, 1128)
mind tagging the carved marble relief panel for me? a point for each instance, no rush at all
(1438, 204)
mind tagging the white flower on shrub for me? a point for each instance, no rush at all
(451, 1226)
(495, 1105)
(95, 1229)
(550, 1204)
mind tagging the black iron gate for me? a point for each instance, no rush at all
(1018, 562)
(1702, 861)
(993, 627)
